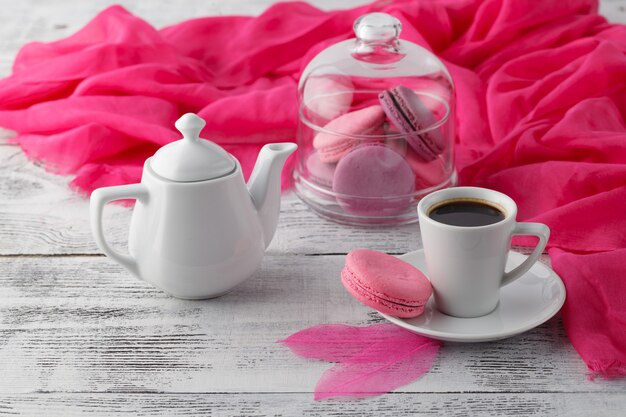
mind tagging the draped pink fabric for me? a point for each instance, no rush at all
(541, 110)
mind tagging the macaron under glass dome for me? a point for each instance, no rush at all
(376, 127)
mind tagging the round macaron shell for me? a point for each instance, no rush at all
(373, 180)
(427, 173)
(386, 283)
(327, 97)
(409, 114)
(332, 148)
(320, 172)
(398, 120)
(419, 116)
(335, 140)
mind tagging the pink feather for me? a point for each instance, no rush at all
(370, 360)
(338, 342)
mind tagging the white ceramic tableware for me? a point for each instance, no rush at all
(528, 302)
(197, 230)
(466, 265)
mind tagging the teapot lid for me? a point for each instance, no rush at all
(191, 158)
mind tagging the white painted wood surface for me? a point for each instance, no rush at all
(79, 336)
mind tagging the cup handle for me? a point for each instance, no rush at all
(98, 199)
(534, 229)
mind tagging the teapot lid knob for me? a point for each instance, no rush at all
(190, 125)
(192, 158)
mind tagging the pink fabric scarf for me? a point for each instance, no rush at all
(541, 109)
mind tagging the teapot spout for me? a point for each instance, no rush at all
(264, 184)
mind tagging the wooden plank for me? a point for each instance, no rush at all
(613, 10)
(5, 135)
(81, 324)
(296, 404)
(39, 214)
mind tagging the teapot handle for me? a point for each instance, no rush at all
(99, 198)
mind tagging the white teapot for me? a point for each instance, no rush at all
(197, 230)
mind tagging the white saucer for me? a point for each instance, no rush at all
(524, 304)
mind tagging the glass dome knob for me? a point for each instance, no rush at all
(377, 27)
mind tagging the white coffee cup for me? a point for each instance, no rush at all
(466, 264)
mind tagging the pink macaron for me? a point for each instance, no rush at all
(410, 115)
(338, 136)
(320, 172)
(386, 283)
(327, 97)
(373, 180)
(427, 173)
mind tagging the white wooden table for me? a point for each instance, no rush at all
(79, 335)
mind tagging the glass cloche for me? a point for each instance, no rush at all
(376, 127)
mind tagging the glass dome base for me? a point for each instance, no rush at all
(324, 202)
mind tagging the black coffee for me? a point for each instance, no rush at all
(467, 213)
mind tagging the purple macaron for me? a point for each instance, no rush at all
(373, 180)
(410, 115)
